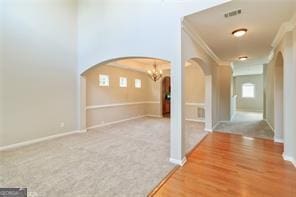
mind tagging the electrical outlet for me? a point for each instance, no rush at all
(62, 124)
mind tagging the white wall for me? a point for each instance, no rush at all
(217, 80)
(286, 46)
(132, 28)
(42, 33)
(1, 70)
(139, 28)
(249, 104)
(39, 69)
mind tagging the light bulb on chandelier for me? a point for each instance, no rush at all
(155, 74)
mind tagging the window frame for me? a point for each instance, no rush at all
(247, 94)
(138, 85)
(101, 79)
(123, 85)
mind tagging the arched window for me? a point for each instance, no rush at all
(248, 90)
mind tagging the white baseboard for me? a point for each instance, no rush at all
(289, 158)
(217, 123)
(178, 162)
(249, 110)
(214, 127)
(154, 116)
(278, 140)
(29, 142)
(208, 130)
(114, 122)
(269, 125)
(195, 120)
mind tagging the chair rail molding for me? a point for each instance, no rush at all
(120, 104)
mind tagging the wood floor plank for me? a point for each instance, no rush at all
(233, 165)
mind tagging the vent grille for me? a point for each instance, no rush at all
(200, 112)
(232, 13)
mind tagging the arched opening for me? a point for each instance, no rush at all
(197, 96)
(278, 98)
(121, 89)
(203, 91)
(166, 96)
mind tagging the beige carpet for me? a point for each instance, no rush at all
(248, 124)
(126, 159)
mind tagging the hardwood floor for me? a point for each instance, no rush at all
(232, 165)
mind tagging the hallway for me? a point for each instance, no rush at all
(232, 165)
(249, 124)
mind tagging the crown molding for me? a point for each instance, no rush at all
(284, 28)
(196, 37)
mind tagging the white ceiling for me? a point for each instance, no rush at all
(262, 18)
(247, 70)
(140, 64)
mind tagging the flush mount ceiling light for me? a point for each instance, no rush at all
(239, 32)
(243, 58)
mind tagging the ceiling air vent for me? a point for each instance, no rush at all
(232, 13)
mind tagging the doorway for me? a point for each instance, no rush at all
(166, 97)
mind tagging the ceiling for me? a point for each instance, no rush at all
(247, 70)
(262, 18)
(140, 64)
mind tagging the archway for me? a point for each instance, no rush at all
(278, 98)
(151, 104)
(166, 96)
(207, 104)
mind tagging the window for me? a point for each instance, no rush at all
(104, 80)
(138, 83)
(123, 82)
(248, 90)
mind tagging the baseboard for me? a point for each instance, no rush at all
(278, 140)
(289, 158)
(114, 122)
(269, 125)
(178, 162)
(195, 120)
(248, 110)
(233, 115)
(153, 116)
(214, 127)
(29, 142)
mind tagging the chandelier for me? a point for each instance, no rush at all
(155, 74)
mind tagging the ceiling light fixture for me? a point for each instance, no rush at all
(243, 58)
(239, 32)
(155, 73)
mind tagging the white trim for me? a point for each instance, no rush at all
(269, 125)
(154, 116)
(214, 127)
(278, 140)
(289, 158)
(195, 120)
(285, 27)
(82, 131)
(29, 142)
(275, 139)
(178, 162)
(120, 104)
(114, 122)
(195, 36)
(208, 130)
(195, 104)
